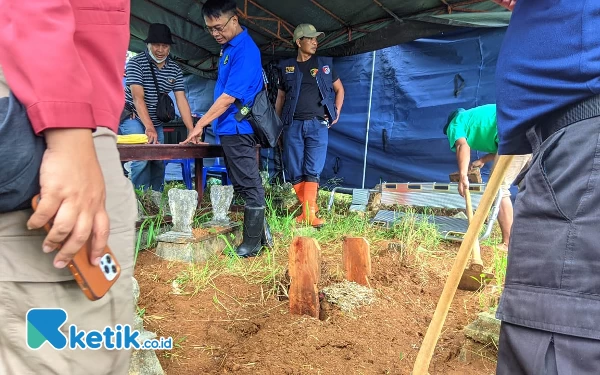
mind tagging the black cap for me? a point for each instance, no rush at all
(159, 33)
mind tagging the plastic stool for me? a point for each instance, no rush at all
(186, 170)
(217, 169)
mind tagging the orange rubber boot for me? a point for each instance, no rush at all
(299, 188)
(311, 190)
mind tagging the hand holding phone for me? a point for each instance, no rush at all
(94, 281)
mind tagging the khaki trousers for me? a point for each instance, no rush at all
(516, 166)
(28, 280)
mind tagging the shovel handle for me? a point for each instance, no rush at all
(423, 360)
(476, 254)
(469, 205)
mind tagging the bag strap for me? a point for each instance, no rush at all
(239, 116)
(153, 75)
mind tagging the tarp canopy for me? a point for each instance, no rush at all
(416, 86)
(350, 27)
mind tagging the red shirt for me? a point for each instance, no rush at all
(65, 59)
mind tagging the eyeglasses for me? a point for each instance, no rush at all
(219, 29)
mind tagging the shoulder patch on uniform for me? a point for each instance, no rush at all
(289, 69)
(326, 69)
(313, 72)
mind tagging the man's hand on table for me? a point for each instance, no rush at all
(152, 135)
(195, 136)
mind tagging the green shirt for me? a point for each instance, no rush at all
(477, 126)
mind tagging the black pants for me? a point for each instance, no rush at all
(527, 351)
(278, 164)
(550, 306)
(242, 167)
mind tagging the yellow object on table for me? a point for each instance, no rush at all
(132, 139)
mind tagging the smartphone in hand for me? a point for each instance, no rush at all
(94, 281)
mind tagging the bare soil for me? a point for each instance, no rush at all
(235, 327)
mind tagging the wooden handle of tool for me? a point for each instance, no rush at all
(469, 205)
(476, 254)
(423, 360)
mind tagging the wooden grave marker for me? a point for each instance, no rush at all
(356, 258)
(305, 271)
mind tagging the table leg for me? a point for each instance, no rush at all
(198, 166)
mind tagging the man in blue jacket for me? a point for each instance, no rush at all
(240, 78)
(309, 102)
(548, 85)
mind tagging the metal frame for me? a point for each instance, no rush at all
(433, 187)
(345, 191)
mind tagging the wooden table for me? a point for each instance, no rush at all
(170, 152)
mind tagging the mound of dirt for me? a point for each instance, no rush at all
(232, 326)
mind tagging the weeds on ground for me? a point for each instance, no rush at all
(419, 240)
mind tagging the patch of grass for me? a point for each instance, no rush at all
(201, 218)
(149, 230)
(154, 216)
(197, 277)
(177, 347)
(419, 240)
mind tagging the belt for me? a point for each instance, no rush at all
(570, 114)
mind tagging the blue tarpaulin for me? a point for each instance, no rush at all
(416, 86)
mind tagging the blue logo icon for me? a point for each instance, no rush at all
(43, 325)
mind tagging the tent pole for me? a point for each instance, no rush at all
(368, 121)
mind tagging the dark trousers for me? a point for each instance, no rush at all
(305, 150)
(550, 306)
(527, 351)
(278, 164)
(242, 167)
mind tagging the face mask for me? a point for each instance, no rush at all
(153, 57)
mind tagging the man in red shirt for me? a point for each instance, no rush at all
(62, 63)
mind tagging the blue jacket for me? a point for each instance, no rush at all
(292, 80)
(550, 58)
(240, 76)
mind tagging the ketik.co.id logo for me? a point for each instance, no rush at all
(44, 325)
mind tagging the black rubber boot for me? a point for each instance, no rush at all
(254, 221)
(267, 238)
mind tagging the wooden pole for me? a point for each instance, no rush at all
(356, 258)
(305, 271)
(423, 360)
(476, 258)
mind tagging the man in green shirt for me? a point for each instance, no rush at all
(476, 129)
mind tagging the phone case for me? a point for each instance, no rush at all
(94, 281)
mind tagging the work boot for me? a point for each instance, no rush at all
(310, 208)
(299, 188)
(254, 221)
(267, 238)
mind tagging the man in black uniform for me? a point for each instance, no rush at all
(309, 101)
